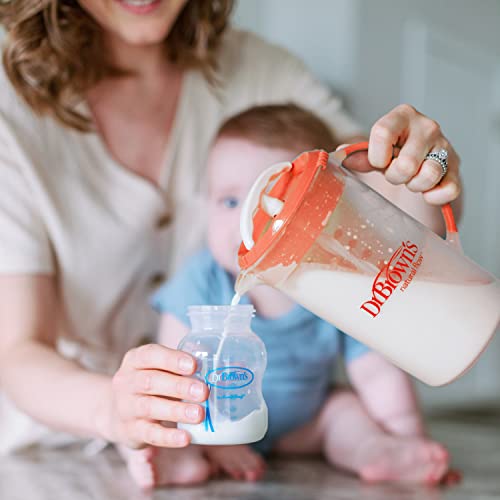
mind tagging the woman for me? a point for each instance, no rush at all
(107, 110)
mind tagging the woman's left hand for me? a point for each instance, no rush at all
(416, 135)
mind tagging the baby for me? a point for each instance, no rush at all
(376, 430)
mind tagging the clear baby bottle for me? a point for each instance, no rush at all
(231, 361)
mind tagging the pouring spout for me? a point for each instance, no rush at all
(245, 282)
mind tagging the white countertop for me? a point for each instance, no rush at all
(474, 442)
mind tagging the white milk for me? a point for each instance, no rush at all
(435, 345)
(250, 429)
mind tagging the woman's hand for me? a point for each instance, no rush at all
(416, 136)
(146, 391)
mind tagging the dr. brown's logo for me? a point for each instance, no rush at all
(399, 271)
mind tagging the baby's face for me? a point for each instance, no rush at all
(233, 166)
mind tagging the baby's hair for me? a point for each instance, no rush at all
(281, 126)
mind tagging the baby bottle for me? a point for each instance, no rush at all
(231, 360)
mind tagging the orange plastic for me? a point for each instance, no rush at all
(298, 229)
(449, 218)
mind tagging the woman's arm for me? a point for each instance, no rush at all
(55, 391)
(61, 394)
(388, 394)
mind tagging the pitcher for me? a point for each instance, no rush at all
(314, 231)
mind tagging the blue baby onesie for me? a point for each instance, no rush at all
(301, 348)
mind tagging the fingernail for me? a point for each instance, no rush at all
(181, 438)
(196, 390)
(186, 364)
(193, 412)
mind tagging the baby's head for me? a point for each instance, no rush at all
(245, 145)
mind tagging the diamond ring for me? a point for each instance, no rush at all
(440, 157)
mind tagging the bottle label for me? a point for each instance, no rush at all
(229, 377)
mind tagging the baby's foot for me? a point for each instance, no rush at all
(139, 464)
(152, 467)
(391, 458)
(239, 461)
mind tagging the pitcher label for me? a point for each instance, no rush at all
(397, 273)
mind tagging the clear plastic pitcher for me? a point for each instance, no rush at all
(231, 361)
(313, 230)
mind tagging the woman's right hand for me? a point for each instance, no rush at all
(147, 390)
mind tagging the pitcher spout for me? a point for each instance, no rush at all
(245, 282)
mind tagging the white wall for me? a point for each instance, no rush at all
(442, 56)
(326, 42)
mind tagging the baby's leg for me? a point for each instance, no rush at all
(350, 439)
(150, 467)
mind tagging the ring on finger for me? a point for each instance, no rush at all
(440, 157)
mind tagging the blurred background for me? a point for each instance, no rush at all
(442, 56)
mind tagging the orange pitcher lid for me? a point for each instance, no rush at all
(305, 199)
(304, 193)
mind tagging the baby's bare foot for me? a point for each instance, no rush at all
(391, 458)
(139, 464)
(239, 461)
(152, 467)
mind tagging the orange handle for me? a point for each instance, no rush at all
(446, 210)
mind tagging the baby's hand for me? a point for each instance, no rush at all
(145, 392)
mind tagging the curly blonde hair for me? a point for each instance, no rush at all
(53, 52)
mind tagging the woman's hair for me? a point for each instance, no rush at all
(53, 52)
(281, 126)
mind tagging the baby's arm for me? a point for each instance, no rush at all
(171, 331)
(388, 394)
